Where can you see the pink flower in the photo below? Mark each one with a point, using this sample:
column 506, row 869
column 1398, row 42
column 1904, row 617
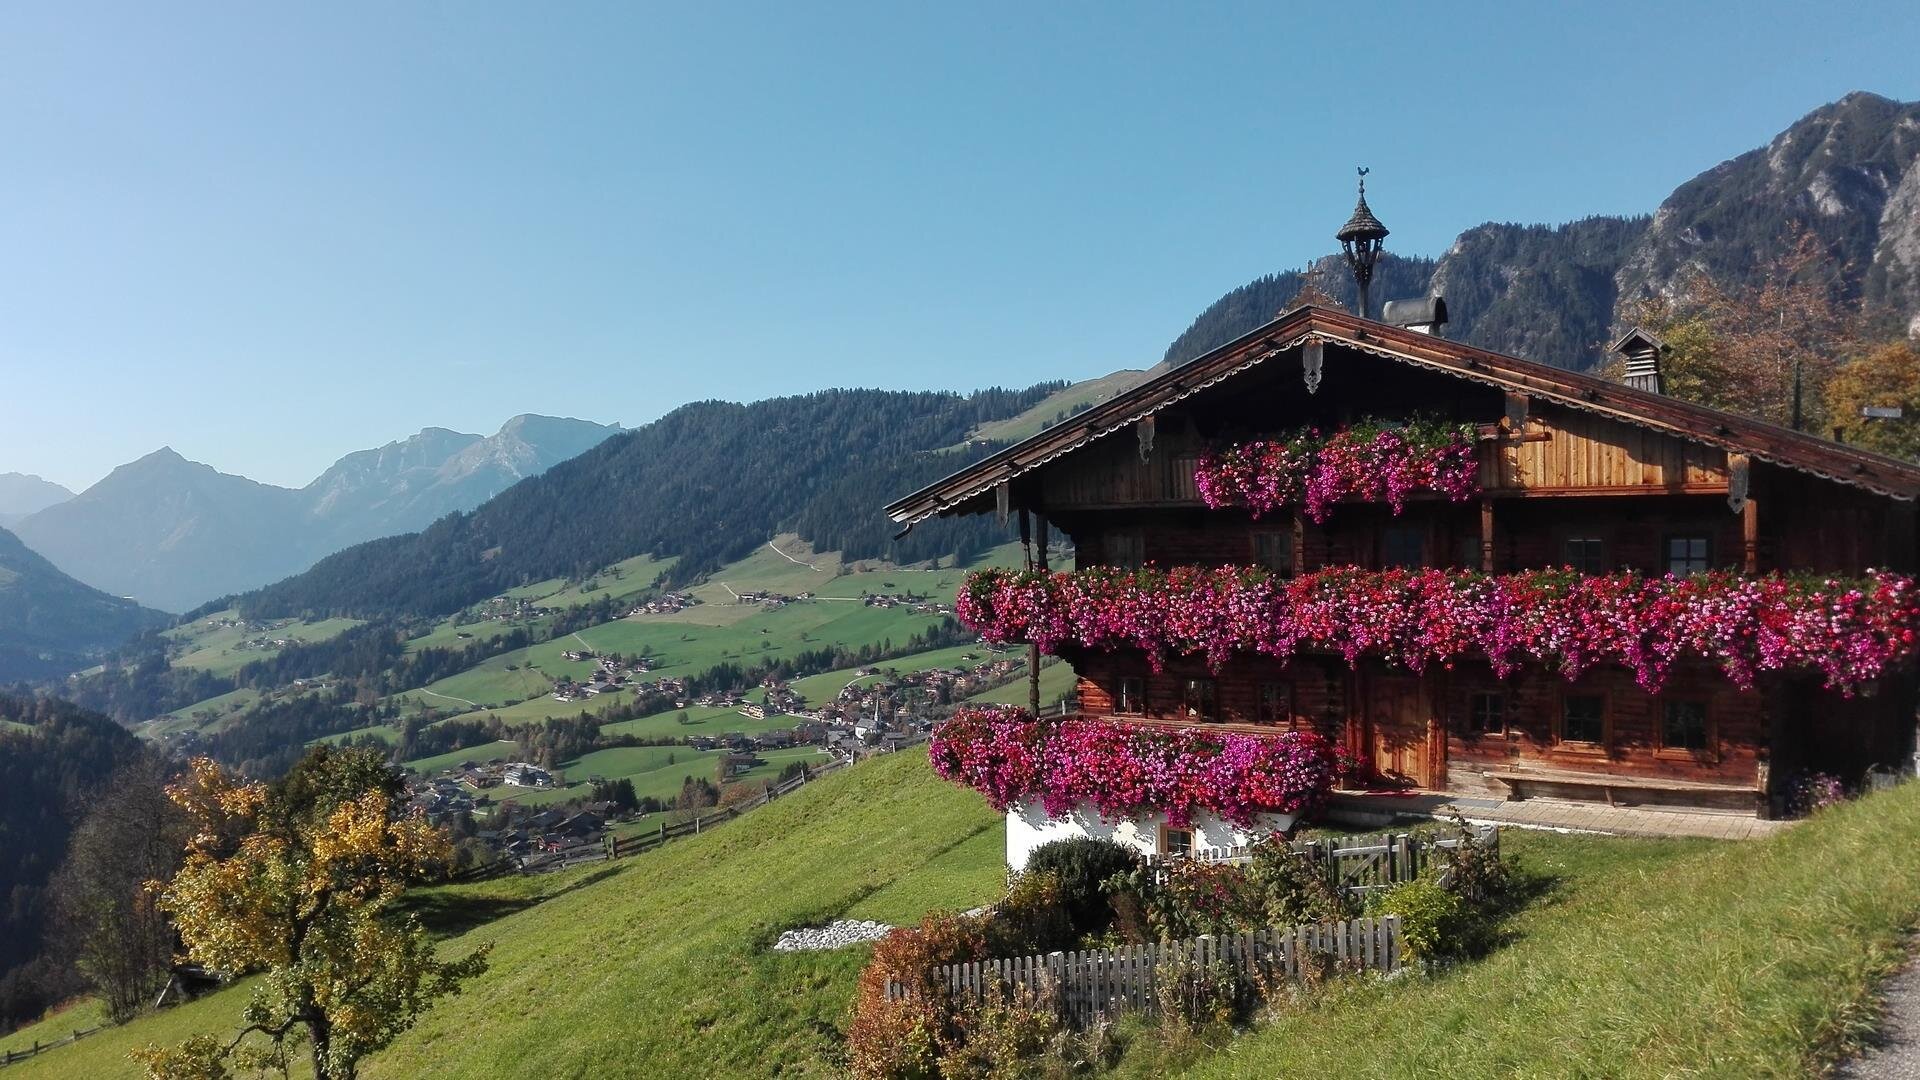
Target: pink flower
column 1849, row 631
column 1369, row 462
column 1124, row 770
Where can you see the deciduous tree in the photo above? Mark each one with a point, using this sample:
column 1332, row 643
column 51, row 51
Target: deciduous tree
column 107, row 923
column 1887, row 376
column 306, row 896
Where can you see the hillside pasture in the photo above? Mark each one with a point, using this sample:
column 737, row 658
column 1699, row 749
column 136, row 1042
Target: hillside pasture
column 217, row 649
column 1635, row 958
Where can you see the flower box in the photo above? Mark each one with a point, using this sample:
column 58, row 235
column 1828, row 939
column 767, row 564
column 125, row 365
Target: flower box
column 1369, row 462
column 1850, row 631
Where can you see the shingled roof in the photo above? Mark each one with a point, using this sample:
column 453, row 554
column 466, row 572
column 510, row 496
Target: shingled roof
column 963, row 491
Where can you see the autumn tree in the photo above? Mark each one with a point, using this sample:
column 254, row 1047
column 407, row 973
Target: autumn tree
column 299, row 882
column 1888, row 376
column 1767, row 349
column 108, row 924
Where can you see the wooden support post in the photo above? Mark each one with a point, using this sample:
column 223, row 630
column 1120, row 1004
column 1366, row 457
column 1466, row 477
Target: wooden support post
column 1033, row 651
column 1026, row 536
column 1750, row 536
column 1486, row 536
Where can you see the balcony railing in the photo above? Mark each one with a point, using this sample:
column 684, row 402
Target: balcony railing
column 1849, row 631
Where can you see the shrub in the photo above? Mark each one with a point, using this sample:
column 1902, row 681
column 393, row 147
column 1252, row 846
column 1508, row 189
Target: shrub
column 1198, row 996
column 1431, row 918
column 1009, row 1036
column 1082, row 865
column 905, row 1039
column 1186, row 898
column 1294, row 886
column 1032, row 919
column 1811, row 791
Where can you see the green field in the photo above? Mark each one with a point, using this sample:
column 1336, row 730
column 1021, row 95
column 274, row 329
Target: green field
column 658, row 771
column 1634, row 958
column 427, row 766
column 216, row 649
column 820, row 689
column 1056, row 682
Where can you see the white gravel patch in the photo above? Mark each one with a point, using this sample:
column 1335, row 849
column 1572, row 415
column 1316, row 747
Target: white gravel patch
column 834, row 935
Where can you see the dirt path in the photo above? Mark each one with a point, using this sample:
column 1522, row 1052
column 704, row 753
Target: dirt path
column 1895, row 1052
column 793, row 560
column 450, row 697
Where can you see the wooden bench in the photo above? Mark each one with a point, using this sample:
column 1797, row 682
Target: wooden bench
column 1520, row 782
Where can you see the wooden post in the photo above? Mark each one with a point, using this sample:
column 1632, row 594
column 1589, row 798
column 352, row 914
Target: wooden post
column 1033, row 651
column 1750, row 536
column 1486, row 536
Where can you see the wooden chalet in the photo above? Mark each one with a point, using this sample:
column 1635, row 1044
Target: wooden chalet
column 1574, row 471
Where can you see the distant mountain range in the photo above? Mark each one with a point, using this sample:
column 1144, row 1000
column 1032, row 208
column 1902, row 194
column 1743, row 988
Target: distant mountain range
column 709, row 480
column 1848, row 172
column 173, row 533
column 51, row 624
column 21, row 494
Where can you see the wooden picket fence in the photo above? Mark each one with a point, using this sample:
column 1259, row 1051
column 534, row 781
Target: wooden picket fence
column 1359, row 864
column 1085, row 985
column 10, row 1057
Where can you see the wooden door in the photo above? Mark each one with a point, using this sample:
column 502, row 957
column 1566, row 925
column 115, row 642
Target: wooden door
column 1399, row 728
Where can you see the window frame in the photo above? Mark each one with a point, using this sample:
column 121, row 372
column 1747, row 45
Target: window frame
column 1120, row 696
column 1473, row 726
column 1583, row 746
column 1284, row 691
column 1709, row 733
column 1282, row 543
column 1212, row 694
column 1164, row 846
column 1133, row 538
column 1599, row 556
column 1421, row 539
column 1706, row 558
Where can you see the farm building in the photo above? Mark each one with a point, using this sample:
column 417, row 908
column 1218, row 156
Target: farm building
column 1341, row 464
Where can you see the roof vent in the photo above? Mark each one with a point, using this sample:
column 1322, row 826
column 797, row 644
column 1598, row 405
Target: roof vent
column 1641, row 351
column 1423, row 316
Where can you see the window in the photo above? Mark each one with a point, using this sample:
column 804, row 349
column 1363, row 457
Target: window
column 1403, row 545
column 1126, row 549
column 1198, row 700
column 1175, row 841
column 1586, row 554
column 1130, row 696
column 1276, row 703
column 1487, row 714
column 1583, row 718
column 1467, row 553
column 1274, row 550
column 1687, row 555
column 1683, row 726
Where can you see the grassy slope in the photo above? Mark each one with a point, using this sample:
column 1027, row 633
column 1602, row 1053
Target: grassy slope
column 1751, row 959
column 1648, row 958
column 1034, row 420
column 659, row 967
column 1056, row 681
column 215, row 649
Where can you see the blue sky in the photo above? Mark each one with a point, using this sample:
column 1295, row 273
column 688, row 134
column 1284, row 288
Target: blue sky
column 268, row 236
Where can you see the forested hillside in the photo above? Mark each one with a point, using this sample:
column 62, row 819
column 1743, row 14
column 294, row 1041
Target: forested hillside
column 53, row 758
column 708, row 482
column 51, row 624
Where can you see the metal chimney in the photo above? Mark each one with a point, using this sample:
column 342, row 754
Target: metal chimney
column 1425, row 315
